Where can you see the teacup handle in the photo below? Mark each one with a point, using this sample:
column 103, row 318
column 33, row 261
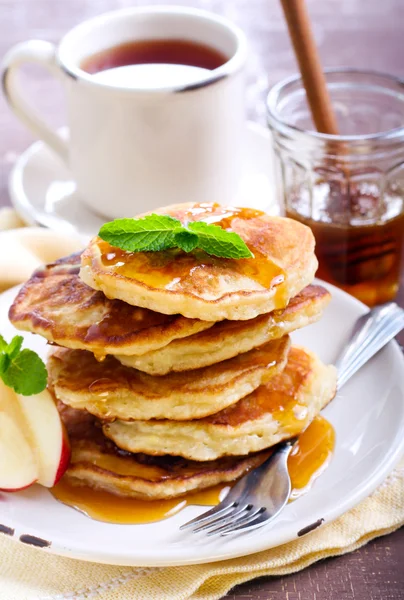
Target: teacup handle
column 42, row 53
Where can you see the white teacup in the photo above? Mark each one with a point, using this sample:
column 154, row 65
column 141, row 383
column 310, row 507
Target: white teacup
column 133, row 148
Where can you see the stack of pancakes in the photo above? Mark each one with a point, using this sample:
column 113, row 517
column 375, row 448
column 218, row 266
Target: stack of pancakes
column 175, row 372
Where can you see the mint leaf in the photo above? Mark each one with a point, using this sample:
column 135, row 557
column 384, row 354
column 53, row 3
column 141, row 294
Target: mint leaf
column 14, row 346
column 4, row 363
column 147, row 234
column 219, row 242
column 3, row 344
column 26, row 374
column 22, row 370
column 186, row 240
column 154, row 233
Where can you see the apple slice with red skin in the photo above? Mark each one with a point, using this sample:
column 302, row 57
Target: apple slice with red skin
column 47, row 436
column 18, row 465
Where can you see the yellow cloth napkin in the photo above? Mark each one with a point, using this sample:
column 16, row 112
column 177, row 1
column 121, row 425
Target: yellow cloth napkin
column 34, row 574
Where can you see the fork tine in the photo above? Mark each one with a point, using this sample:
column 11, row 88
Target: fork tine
column 232, row 500
column 221, row 509
column 258, row 521
column 222, row 520
column 242, row 520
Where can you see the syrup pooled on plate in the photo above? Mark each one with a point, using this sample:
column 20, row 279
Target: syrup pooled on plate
column 307, row 461
column 176, row 270
column 311, row 455
column 103, row 506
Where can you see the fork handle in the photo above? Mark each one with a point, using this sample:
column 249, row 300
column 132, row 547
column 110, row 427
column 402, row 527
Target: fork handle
column 371, row 333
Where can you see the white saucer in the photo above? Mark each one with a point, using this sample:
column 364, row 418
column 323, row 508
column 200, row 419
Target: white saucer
column 43, row 191
column 368, row 417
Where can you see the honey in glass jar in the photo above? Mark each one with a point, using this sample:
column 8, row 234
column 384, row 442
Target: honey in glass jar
column 348, row 188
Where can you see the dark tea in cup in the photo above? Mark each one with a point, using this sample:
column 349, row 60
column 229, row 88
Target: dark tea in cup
column 154, row 62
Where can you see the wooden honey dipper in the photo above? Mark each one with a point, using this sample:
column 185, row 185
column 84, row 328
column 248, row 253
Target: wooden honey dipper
column 314, row 82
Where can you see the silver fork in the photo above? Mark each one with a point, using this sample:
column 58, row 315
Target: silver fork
column 258, row 497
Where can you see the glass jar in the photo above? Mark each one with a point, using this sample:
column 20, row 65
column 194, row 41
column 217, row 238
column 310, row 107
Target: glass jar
column 348, row 188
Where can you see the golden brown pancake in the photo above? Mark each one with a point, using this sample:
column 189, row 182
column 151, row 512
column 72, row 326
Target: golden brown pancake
column 56, row 304
column 98, row 463
column 230, row 338
column 278, row 410
column 200, row 286
column 110, row 390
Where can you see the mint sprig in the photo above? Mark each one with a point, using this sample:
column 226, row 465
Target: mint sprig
column 215, row 240
column 154, row 233
column 22, row 370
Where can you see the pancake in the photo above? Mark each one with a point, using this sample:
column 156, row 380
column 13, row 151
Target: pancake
column 230, row 338
column 98, row 463
column 200, row 286
column 57, row 305
column 279, row 410
column 110, row 390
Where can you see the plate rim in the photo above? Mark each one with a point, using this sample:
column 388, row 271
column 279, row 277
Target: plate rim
column 330, row 514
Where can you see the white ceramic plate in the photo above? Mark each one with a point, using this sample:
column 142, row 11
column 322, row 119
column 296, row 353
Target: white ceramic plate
column 368, row 416
column 43, row 191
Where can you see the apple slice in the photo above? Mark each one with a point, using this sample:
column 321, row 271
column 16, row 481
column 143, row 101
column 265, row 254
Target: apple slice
column 47, row 436
column 18, row 467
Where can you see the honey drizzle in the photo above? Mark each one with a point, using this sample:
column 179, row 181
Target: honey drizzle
column 309, row 458
column 175, row 270
column 279, row 397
